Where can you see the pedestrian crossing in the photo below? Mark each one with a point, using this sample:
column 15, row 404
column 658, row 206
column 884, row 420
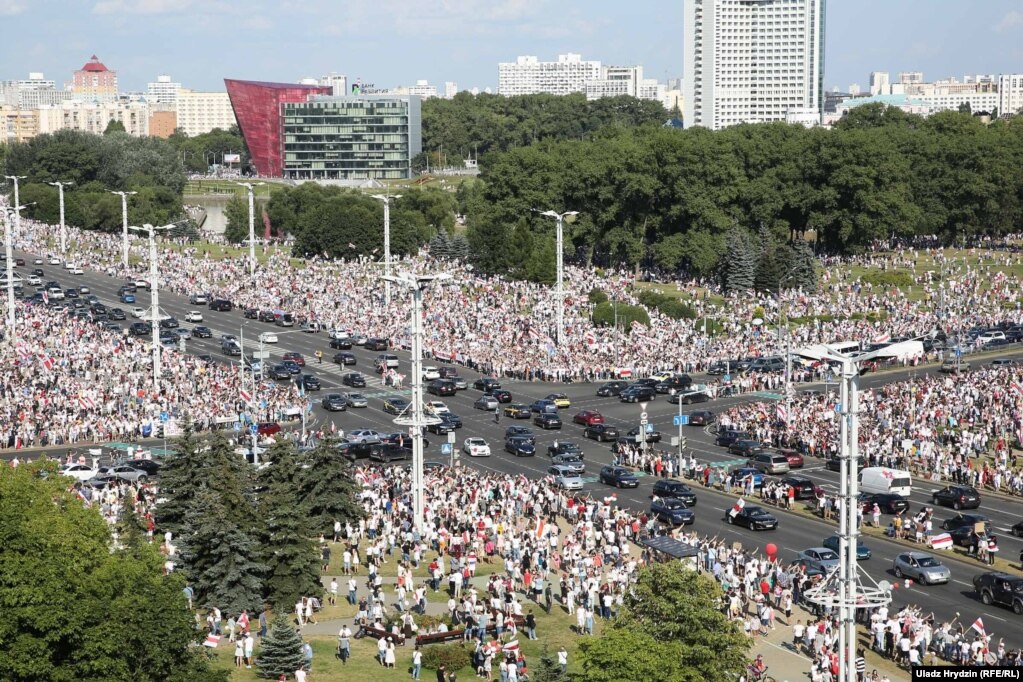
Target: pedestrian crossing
column 768, row 395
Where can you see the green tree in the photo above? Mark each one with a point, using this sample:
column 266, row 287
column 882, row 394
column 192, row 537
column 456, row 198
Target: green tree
column 114, row 127
column 739, row 265
column 608, row 314
column 280, row 652
column 622, row 655
column 547, row 668
column 326, row 489
column 180, row 481
column 237, row 214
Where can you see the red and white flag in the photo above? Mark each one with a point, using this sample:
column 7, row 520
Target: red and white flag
column 511, row 646
column 212, row 641
column 333, row 426
column 978, row 625
column 590, row 338
column 243, row 621
column 783, row 414
column 1016, row 386
column 882, row 338
column 737, row 507
column 540, row 527
column 941, row 541
column 246, row 396
column 86, row 402
column 47, row 361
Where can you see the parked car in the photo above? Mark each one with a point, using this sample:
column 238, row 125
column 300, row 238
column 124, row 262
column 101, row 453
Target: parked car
column 795, row 459
column 79, row 472
column 502, row 395
column 769, row 462
column 334, row 402
column 688, row 397
column 964, row 521
column 612, row 388
column 364, row 436
column 672, row 511
column 354, row 379
column 701, row 418
column 729, row 436
column 122, row 472
column 862, row 551
column 520, row 447
column 742, row 473
column 486, row 384
column 804, row 487
column 395, row 405
column 620, row 477
column 746, row 448
column 889, row 503
column 957, row 496
column 921, row 567
column 1000, row 588
column 441, row 387
column 752, row 517
column 954, row 366
column 588, row 418
column 638, row 394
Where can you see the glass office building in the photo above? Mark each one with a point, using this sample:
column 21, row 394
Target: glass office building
column 351, row 138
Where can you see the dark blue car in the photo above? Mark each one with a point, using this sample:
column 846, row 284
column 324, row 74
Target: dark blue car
column 672, row 511
column 620, row 477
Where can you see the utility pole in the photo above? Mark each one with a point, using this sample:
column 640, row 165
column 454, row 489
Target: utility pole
column 63, row 231
column 252, row 224
column 154, row 311
column 386, row 198
column 559, row 219
column 124, row 223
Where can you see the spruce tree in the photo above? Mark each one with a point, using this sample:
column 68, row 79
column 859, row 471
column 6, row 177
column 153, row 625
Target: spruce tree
column 739, row 266
column 326, row 488
column 280, row 652
column 547, row 668
column 440, row 247
column 460, row 247
column 180, row 480
column 226, row 473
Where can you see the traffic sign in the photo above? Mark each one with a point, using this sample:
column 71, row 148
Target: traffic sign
column 643, row 422
column 164, row 417
column 649, row 428
column 261, row 355
column 642, row 417
column 253, row 429
column 642, row 406
column 452, row 438
column 959, row 352
column 726, row 378
column 681, row 420
column 445, row 448
column 237, row 426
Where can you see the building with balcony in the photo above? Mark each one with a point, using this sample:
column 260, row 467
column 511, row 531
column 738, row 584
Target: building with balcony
column 529, row 76
column 94, row 82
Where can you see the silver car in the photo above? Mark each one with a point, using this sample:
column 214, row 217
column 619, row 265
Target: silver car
column 922, row 567
column 573, row 463
column 564, row 478
column 356, row 399
column 820, row 558
column 486, row 402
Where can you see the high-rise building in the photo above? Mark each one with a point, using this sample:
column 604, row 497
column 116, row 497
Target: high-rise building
column 338, row 83
column 529, row 76
column 880, row 83
column 748, row 61
column 450, row 89
column 162, row 122
column 1010, row 94
column 201, row 112
column 422, row 89
column 94, row 81
column 94, row 117
column 163, row 90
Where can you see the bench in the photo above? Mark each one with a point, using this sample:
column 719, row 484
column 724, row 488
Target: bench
column 439, row 637
column 380, row 633
column 520, row 621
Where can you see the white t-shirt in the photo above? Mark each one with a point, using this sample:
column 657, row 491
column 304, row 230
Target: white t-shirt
column 300, row 675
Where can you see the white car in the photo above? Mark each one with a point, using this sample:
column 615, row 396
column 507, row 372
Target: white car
column 34, row 280
column 54, row 260
column 430, row 373
column 364, row 436
column 193, row 316
column 81, row 472
column 197, row 299
column 267, row 337
column 77, row 271
column 84, row 289
column 435, row 407
column 37, row 261
column 68, row 265
column 564, row 478
column 56, row 293
column 138, row 312
column 476, row 447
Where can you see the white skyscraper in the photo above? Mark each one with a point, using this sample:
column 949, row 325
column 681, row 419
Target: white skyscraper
column 1010, row 94
column 163, row 90
column 338, row 83
column 530, row 76
column 749, row 61
column 880, row 83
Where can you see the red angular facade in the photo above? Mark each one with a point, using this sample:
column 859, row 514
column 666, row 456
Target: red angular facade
column 257, row 108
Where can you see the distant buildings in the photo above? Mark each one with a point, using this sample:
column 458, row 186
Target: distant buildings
column 529, row 76
column 163, row 91
column 94, row 81
column 751, row 62
column 201, row 112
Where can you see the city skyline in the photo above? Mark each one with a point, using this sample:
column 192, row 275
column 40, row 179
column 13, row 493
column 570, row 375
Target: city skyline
column 464, row 40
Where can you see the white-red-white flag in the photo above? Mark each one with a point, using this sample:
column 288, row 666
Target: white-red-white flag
column 212, row 641
column 978, row 625
column 737, row 507
column 246, row 396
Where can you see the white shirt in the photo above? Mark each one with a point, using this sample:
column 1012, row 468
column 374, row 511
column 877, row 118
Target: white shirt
column 300, row 675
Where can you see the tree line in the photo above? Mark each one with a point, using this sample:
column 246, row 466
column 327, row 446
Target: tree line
column 698, row 200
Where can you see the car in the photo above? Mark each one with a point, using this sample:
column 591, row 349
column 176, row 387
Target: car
column 612, row 388
column 266, row 316
column 292, row 366
column 354, row 379
column 747, row 448
column 620, row 477
column 669, row 488
column 637, row 394
column 520, row 447
column 451, row 418
column 769, row 462
column 956, row 496
column 804, row 488
column 125, row 297
column 573, row 463
column 673, row 383
column 169, row 323
column 795, row 459
column 921, row 567
column 19, row 261
column 833, row 463
column 284, row 320
column 278, row 372
column 560, row 400
column 80, row 472
column 702, row 418
column 821, row 558
column 364, row 436
column 292, row 356
column 385, row 361
column 53, row 260
column 389, row 452
column 354, row 451
column 743, row 473
column 862, row 551
column 476, row 447
column 71, row 293
column 752, row 517
column 888, row 503
column 34, row 280
column 202, row 332
column 229, row 347
column 486, row 384
column 440, row 427
column 503, row 396
column 460, row 383
column 964, row 521
column 601, row 432
column 543, row 405
column 117, row 314
column 122, row 472
column 267, row 337
column 356, row 400
column 565, row 478
column 729, row 436
column 343, row 343
column 588, row 418
column 441, row 387
column 954, row 366
column 564, row 447
column 547, row 420
column 140, row 329
column 138, row 312
column 395, row 405
column 268, row 428
column 221, row 306
column 344, row 359
column 672, row 511
column 430, row 373
column 309, row 382
column 486, row 402
column 520, row 432
column 435, row 407
column 1000, row 588
column 964, row 536
column 376, row 344
column 193, row 316
column 688, row 397
column 1017, row 529
column 198, row 299
column 334, row 402
column 517, row 411
column 648, row 436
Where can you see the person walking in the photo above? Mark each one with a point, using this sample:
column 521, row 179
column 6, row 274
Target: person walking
column 417, row 663
column 250, row 643
column 344, row 644
column 563, row 660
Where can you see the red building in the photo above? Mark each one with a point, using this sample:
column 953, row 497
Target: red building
column 94, row 79
column 257, row 107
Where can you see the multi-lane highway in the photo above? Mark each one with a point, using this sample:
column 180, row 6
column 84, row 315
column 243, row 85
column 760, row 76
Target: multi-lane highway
column 794, row 534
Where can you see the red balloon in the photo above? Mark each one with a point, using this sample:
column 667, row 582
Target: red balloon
column 771, row 549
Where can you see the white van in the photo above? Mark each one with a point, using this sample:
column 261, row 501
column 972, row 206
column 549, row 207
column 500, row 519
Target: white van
column 885, row 480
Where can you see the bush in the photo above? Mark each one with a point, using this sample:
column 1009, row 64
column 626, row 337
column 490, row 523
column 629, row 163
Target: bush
column 604, row 315
column 597, row 296
column 888, row 279
column 454, row 657
column 427, row 622
column 677, row 310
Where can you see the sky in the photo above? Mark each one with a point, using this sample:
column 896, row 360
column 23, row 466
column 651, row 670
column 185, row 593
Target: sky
column 396, row 42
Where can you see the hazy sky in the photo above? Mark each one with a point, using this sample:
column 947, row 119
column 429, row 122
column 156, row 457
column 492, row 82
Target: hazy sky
column 394, row 42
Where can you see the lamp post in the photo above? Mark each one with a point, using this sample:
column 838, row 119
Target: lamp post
column 63, row 232
column 386, row 198
column 17, row 200
column 9, row 246
column 154, row 283
column 252, row 224
column 560, row 220
column 417, row 421
column 124, row 222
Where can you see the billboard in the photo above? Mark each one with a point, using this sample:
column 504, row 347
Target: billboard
column 232, row 158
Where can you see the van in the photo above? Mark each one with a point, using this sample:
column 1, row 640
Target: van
column 768, row 364
column 387, row 360
column 885, row 480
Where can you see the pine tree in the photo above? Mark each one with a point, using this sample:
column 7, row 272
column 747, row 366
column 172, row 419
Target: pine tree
column 282, row 466
column 547, row 668
column 804, row 265
column 739, row 266
column 440, row 246
column 221, row 559
column 326, row 488
column 460, row 247
column 130, row 529
column 290, row 554
column 180, row 480
column 280, row 652
column 226, row 473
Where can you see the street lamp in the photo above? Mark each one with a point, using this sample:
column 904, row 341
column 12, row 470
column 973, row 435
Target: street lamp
column 63, row 232
column 386, row 198
column 124, row 222
column 417, row 420
column 560, row 220
column 9, row 246
column 252, row 224
column 154, row 311
column 17, row 199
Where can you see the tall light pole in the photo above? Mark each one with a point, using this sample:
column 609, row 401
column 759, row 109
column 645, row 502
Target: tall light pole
column 252, row 225
column 154, row 284
column 63, row 231
column 17, row 200
column 386, row 198
column 416, row 421
column 124, row 224
column 560, row 220
column 9, row 246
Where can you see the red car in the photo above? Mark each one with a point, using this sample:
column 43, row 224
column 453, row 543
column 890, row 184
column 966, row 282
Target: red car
column 295, row 357
column 795, row 459
column 268, row 428
column 588, row 418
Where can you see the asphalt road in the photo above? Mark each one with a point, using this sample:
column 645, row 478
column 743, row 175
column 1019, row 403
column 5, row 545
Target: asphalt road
column 794, row 534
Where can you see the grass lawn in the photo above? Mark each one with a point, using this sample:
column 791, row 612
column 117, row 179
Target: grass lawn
column 217, row 186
